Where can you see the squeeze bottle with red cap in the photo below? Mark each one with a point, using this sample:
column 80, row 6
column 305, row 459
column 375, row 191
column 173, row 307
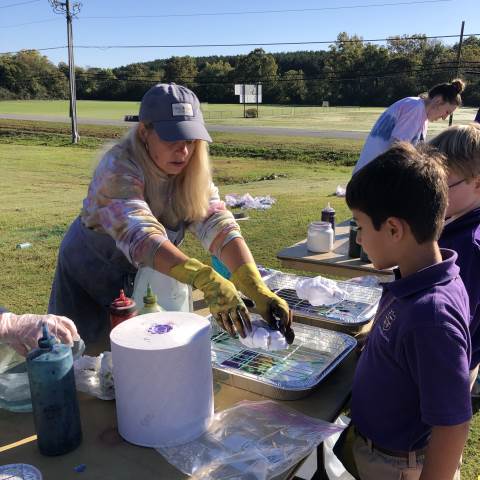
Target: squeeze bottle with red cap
column 121, row 309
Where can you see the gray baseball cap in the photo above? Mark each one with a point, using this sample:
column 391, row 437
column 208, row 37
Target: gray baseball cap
column 175, row 113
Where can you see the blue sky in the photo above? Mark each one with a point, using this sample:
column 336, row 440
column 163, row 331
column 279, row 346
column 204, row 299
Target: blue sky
column 373, row 21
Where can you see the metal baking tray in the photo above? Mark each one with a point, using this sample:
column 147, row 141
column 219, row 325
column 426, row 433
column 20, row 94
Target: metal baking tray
column 284, row 374
column 348, row 315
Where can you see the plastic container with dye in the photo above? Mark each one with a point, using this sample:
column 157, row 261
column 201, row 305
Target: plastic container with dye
column 121, row 309
column 353, row 247
column 150, row 304
column 328, row 215
column 54, row 398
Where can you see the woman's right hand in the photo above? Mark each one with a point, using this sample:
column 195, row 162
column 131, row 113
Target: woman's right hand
column 220, row 294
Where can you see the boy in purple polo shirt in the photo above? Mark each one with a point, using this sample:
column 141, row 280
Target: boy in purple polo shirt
column 461, row 146
column 411, row 394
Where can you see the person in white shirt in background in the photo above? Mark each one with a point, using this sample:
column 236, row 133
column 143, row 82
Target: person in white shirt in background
column 407, row 119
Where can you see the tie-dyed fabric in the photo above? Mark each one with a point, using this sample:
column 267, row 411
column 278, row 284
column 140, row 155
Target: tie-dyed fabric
column 118, row 205
column 405, row 120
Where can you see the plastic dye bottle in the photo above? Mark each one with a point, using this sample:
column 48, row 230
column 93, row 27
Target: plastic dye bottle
column 354, row 249
column 121, row 309
column 54, row 396
column 328, row 215
column 150, row 304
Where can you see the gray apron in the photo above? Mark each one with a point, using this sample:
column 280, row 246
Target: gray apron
column 90, row 273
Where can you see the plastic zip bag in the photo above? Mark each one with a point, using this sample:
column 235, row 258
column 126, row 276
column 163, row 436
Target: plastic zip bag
column 14, row 386
column 94, row 375
column 254, row 440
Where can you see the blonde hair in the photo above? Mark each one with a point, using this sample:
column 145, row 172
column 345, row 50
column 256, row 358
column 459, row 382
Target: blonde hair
column 191, row 188
column 461, row 146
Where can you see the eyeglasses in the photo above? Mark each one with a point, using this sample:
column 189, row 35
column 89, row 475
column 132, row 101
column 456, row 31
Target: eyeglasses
column 457, row 183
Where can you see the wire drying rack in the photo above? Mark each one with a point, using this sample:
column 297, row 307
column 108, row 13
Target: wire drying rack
column 283, row 374
column 358, row 307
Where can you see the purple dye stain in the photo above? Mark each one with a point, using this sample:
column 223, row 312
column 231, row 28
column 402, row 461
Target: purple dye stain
column 160, row 328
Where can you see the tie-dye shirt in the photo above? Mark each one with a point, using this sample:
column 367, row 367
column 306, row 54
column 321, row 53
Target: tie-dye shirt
column 405, row 120
column 117, row 204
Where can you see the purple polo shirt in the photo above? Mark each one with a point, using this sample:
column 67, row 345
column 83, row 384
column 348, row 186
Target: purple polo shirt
column 463, row 236
column 414, row 371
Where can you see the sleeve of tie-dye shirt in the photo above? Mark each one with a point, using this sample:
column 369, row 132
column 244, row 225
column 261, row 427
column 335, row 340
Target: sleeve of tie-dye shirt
column 116, row 201
column 411, row 118
column 218, row 228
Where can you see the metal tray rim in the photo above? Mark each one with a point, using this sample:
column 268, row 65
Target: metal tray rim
column 349, row 345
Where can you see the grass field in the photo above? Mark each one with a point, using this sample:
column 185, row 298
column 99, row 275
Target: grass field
column 313, row 118
column 44, row 180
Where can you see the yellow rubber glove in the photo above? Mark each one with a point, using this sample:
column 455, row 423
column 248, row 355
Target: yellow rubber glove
column 270, row 306
column 220, row 294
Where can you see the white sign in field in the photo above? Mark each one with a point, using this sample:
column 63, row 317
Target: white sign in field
column 249, row 93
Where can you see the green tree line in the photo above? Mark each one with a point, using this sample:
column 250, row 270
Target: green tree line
column 349, row 72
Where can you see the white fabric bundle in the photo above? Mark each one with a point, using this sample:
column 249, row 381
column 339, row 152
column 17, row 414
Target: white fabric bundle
column 319, row 291
column 262, row 336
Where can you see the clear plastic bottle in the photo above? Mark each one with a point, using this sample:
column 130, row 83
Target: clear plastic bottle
column 320, row 237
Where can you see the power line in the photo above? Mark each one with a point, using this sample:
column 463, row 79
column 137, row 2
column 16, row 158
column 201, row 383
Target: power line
column 255, row 12
column 272, row 43
column 260, row 44
column 30, row 23
column 327, row 76
column 17, row 4
column 121, row 75
column 298, row 10
column 33, row 49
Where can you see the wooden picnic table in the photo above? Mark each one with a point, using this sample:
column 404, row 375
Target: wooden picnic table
column 337, row 262
column 107, row 456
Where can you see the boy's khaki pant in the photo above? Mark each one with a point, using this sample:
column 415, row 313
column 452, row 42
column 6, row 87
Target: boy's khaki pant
column 374, row 465
column 473, row 376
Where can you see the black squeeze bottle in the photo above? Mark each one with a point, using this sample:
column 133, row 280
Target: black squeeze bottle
column 54, row 397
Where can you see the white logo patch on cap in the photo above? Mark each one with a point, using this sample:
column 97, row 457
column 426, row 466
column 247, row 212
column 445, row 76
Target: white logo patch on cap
column 182, row 110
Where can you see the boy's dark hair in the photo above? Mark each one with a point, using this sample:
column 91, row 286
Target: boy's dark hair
column 403, row 182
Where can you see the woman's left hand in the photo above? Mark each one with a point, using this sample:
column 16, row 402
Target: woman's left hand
column 270, row 306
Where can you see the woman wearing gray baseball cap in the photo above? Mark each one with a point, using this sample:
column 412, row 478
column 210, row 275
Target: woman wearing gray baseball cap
column 146, row 191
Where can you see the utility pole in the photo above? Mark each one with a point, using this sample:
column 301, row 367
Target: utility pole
column 450, row 120
column 70, row 9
